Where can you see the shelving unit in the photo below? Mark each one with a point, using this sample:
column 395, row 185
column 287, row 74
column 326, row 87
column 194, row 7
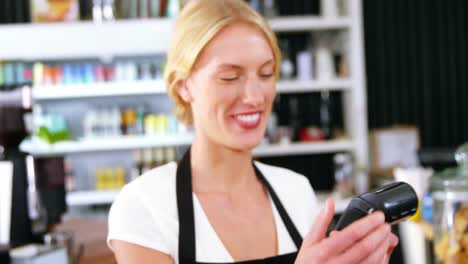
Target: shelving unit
column 119, row 38
column 61, row 92
column 308, row 23
column 138, row 142
column 85, row 198
column 294, row 86
column 108, row 40
column 155, row 87
column 304, row 148
column 104, row 144
column 85, row 39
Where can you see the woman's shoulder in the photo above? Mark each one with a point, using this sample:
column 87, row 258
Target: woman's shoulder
column 156, row 186
column 162, row 176
column 145, row 211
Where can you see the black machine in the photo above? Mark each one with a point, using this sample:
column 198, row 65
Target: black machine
column 48, row 174
column 397, row 201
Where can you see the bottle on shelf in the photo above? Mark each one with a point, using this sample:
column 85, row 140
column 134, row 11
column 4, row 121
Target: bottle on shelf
column 159, row 157
column 110, row 178
column 287, row 67
column 70, row 181
column 119, row 177
column 84, row 72
column 272, row 127
column 108, row 10
column 304, row 65
column 344, row 174
column 171, row 154
column 154, row 8
column 269, row 9
column 137, row 168
column 294, row 119
column 325, row 68
column 97, row 11
column 173, row 8
column 143, row 11
column 325, row 114
column 329, row 8
column 256, row 5
column 140, row 120
column 147, row 160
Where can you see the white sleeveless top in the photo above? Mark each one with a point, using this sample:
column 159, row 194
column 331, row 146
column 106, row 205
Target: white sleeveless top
column 145, row 213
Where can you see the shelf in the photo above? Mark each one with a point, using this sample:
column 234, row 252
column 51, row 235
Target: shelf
column 41, row 149
column 118, row 38
column 295, row 86
column 58, row 92
column 84, row 198
column 87, row 198
column 85, row 39
column 308, row 23
column 304, row 148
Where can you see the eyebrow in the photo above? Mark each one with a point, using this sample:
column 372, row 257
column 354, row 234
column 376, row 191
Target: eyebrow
column 235, row 66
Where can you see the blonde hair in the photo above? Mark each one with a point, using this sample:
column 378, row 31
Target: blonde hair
column 197, row 24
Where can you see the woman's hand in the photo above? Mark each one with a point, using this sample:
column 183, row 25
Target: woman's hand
column 368, row 240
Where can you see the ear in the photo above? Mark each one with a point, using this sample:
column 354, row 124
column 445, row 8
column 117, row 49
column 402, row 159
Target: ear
column 184, row 92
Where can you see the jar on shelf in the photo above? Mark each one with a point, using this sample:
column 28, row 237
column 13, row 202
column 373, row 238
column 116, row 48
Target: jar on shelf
column 344, row 174
column 450, row 195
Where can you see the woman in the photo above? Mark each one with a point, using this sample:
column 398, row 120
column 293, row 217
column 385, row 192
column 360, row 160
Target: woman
column 216, row 205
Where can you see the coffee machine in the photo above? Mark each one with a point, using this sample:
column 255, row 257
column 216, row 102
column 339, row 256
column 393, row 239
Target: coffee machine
column 34, row 195
column 12, row 131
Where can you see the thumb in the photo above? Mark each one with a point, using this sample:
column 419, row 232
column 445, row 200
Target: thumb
column 320, row 226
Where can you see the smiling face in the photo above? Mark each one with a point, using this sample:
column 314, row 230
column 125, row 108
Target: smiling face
column 232, row 88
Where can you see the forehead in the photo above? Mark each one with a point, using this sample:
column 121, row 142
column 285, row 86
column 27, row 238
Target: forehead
column 237, row 44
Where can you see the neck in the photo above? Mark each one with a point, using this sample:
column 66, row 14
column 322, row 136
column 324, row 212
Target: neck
column 218, row 169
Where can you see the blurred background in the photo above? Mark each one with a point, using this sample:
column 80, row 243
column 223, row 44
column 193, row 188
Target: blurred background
column 367, row 86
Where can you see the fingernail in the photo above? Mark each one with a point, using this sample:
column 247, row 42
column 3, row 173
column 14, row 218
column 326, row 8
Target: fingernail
column 380, row 216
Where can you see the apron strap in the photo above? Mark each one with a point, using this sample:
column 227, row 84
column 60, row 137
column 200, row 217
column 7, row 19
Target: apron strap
column 185, row 210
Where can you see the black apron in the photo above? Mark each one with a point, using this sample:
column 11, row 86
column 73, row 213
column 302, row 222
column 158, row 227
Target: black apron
column 187, row 225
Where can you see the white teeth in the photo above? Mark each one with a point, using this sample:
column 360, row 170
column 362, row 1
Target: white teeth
column 248, row 118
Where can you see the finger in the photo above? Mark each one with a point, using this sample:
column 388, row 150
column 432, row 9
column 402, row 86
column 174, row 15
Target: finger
column 392, row 244
column 393, row 240
column 319, row 229
column 333, row 233
column 368, row 245
column 386, row 259
column 378, row 255
column 347, row 237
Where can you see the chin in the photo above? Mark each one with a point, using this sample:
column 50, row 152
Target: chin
column 245, row 143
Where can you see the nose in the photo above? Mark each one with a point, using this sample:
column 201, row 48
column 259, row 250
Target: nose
column 253, row 93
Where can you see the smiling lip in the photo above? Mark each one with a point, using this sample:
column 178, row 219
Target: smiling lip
column 248, row 120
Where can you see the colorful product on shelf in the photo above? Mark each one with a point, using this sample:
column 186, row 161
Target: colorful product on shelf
column 110, row 178
column 54, row 11
column 112, row 121
column 49, row 127
column 147, row 159
column 93, row 72
column 14, row 74
column 310, row 134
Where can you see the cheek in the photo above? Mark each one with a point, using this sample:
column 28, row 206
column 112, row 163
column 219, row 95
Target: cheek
column 270, row 92
column 214, row 99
